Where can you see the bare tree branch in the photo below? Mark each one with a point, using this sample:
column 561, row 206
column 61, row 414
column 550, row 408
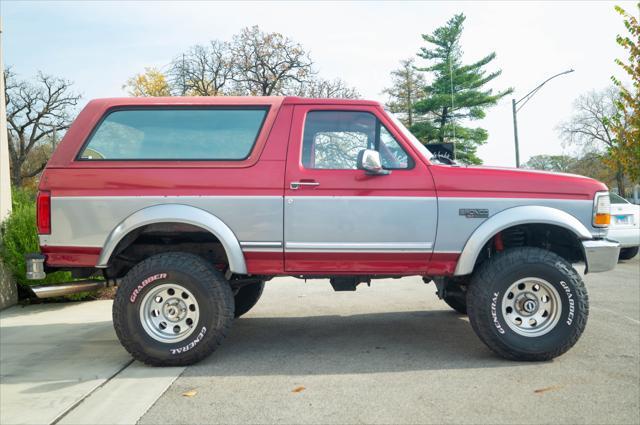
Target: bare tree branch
column 204, row 70
column 36, row 112
column 268, row 63
column 590, row 127
column 327, row 89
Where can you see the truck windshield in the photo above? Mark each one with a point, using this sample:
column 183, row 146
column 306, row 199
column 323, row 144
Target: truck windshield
column 424, row 151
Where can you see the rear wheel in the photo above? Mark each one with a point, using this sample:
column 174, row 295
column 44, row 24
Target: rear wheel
column 172, row 309
column 628, row 253
column 456, row 303
column 527, row 304
column 247, row 296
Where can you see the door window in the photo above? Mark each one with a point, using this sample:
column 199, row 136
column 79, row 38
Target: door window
column 333, row 139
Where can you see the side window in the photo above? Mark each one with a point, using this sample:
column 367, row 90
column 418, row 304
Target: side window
column 175, row 134
column 391, row 153
column 333, row 139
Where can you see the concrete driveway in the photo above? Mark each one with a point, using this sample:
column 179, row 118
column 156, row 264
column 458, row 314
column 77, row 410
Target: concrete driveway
column 391, row 353
column 62, row 363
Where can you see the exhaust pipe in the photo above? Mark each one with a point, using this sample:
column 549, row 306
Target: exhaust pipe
column 50, row 291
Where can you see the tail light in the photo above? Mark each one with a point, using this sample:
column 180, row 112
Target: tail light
column 601, row 210
column 43, row 207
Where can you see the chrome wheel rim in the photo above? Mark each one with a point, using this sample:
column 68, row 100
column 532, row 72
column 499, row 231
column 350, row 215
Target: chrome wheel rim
column 531, row 307
column 169, row 313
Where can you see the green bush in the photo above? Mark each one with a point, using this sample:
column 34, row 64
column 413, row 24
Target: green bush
column 20, row 236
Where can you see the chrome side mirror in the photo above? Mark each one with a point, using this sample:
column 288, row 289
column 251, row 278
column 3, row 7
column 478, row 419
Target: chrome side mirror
column 369, row 161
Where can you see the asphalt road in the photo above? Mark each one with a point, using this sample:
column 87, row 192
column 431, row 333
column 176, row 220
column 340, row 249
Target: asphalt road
column 394, row 353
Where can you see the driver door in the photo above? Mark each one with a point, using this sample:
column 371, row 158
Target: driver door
column 340, row 220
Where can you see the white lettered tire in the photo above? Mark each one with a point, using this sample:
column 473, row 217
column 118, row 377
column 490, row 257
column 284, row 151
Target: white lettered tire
column 172, row 309
column 527, row 304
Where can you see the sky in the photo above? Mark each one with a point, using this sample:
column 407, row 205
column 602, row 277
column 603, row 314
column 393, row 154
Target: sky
column 99, row 45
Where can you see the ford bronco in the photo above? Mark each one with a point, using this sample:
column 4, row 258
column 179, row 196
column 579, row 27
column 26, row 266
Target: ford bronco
column 190, row 205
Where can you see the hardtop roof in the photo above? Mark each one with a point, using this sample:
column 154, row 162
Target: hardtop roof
column 225, row 100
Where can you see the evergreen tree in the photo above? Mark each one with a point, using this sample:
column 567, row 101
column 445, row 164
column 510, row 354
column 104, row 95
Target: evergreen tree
column 456, row 93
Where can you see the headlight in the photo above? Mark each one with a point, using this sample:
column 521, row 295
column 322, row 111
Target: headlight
column 601, row 210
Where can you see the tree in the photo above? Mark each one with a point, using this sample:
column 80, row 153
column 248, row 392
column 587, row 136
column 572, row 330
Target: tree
column 267, row 64
column 202, row 70
column 590, row 128
column 407, row 88
column 37, row 115
column 327, row 89
column 625, row 123
column 555, row 163
column 456, row 92
column 592, row 164
column 254, row 63
column 150, row 83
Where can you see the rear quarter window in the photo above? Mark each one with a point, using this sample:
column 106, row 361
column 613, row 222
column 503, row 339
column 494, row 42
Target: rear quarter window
column 220, row 134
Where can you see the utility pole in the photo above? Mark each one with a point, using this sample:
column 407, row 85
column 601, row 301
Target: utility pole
column 524, row 100
column 515, row 132
column 5, row 176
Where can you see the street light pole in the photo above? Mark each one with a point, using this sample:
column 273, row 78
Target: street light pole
column 524, row 100
column 515, row 132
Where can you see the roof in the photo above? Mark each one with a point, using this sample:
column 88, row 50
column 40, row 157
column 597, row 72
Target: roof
column 225, row 100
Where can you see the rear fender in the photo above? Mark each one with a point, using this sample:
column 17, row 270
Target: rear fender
column 177, row 213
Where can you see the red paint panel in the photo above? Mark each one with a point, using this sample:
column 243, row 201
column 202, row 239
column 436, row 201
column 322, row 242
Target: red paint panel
column 263, row 179
column 71, row 256
column 443, row 263
column 357, row 263
column 488, row 182
column 268, row 263
column 172, row 178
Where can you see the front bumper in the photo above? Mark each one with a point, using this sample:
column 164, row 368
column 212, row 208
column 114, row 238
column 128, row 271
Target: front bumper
column 627, row 237
column 600, row 254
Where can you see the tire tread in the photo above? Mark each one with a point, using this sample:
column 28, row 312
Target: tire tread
column 197, row 267
column 478, row 295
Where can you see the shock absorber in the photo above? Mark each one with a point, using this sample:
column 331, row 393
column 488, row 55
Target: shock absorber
column 498, row 243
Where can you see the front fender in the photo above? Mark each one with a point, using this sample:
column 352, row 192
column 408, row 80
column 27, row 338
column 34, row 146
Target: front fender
column 526, row 214
column 177, row 213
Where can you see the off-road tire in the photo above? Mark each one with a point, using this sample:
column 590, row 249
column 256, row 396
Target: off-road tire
column 494, row 277
column 628, row 253
column 208, row 286
column 247, row 296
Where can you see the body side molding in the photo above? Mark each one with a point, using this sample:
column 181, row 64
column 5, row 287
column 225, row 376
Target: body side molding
column 177, row 213
column 526, row 214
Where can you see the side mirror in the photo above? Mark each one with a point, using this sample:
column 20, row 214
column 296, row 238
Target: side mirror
column 369, row 161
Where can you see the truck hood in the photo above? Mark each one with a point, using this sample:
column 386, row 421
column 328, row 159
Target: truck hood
column 508, row 182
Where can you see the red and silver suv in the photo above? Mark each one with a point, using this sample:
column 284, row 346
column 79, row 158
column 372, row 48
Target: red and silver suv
column 191, row 204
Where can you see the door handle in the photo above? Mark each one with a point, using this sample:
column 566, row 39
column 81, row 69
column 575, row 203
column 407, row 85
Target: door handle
column 296, row 185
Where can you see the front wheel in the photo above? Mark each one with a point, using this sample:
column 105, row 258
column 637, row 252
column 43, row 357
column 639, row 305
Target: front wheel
column 172, row 309
column 628, row 253
column 527, row 304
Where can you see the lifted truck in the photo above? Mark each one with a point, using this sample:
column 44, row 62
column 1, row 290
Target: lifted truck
column 191, row 204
